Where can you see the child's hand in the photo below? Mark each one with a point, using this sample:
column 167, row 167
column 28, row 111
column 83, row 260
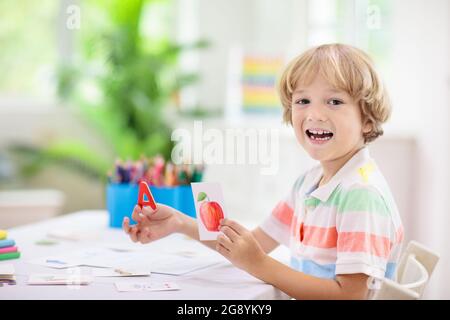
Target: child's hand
column 152, row 224
column 238, row 245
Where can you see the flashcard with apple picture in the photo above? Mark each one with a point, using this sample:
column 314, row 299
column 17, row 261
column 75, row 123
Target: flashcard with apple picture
column 210, row 209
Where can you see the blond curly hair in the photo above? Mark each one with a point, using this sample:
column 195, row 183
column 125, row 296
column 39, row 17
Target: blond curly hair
column 346, row 68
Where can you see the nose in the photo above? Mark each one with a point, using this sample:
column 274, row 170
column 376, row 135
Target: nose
column 316, row 112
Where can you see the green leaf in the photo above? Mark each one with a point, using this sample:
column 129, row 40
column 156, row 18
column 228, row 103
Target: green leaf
column 76, row 156
column 201, row 196
column 134, row 76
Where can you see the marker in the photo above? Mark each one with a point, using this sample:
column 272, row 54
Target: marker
column 127, row 172
column 7, row 243
column 170, row 178
column 158, row 169
column 197, row 175
column 8, row 249
column 10, row 255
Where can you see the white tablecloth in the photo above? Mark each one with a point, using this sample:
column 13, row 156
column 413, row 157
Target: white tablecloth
column 222, row 281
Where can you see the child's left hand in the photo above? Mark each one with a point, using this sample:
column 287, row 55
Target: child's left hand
column 238, row 245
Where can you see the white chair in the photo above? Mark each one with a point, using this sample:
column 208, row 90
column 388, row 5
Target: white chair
column 413, row 273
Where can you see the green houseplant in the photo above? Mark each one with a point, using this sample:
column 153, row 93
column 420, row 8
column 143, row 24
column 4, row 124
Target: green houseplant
column 132, row 77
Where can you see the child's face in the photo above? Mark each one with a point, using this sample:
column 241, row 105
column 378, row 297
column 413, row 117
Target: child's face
column 327, row 122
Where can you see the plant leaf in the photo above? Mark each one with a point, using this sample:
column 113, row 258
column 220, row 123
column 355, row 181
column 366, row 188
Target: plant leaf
column 201, row 196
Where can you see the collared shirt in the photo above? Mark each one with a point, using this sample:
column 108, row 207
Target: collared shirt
column 349, row 225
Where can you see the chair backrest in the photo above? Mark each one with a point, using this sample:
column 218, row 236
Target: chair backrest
column 415, row 268
column 424, row 255
column 414, row 275
column 391, row 290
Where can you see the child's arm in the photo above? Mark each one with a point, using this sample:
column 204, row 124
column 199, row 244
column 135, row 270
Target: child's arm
column 240, row 247
column 302, row 286
column 265, row 241
column 156, row 224
column 189, row 227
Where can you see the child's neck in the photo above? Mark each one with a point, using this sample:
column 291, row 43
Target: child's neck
column 331, row 167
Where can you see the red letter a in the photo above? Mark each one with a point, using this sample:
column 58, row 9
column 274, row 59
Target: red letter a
column 145, row 190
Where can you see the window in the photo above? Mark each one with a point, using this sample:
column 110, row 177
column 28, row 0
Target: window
column 362, row 23
column 29, row 49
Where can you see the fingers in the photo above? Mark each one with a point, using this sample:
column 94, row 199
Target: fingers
column 137, row 215
column 240, row 230
column 224, row 241
column 148, row 211
column 230, row 233
column 222, row 250
column 126, row 225
column 144, row 236
column 133, row 233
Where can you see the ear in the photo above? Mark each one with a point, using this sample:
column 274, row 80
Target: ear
column 367, row 127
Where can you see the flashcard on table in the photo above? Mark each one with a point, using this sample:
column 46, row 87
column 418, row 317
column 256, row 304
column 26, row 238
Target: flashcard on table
column 146, row 286
column 59, row 279
column 144, row 190
column 209, row 207
column 122, row 272
column 54, row 262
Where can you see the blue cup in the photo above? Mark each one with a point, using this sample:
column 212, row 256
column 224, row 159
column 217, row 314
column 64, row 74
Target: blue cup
column 121, row 199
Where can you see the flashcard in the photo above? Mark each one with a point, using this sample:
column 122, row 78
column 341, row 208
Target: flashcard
column 122, row 272
column 54, row 262
column 130, row 286
column 146, row 286
column 144, row 190
column 164, row 286
column 209, row 206
column 59, row 279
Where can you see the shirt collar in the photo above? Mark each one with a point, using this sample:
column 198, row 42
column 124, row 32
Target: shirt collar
column 323, row 193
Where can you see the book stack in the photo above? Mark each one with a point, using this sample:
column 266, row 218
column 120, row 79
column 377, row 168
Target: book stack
column 8, row 249
column 7, row 274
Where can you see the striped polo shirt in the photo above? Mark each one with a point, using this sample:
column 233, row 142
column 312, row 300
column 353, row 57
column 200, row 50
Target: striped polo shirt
column 349, row 225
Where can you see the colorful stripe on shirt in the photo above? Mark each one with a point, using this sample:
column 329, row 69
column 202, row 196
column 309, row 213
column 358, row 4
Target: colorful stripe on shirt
column 283, row 213
column 328, row 271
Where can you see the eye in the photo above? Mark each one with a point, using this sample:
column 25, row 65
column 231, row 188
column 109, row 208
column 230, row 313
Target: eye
column 302, row 101
column 335, row 102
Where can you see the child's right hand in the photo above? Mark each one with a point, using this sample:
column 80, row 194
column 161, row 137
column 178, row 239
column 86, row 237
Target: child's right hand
column 152, row 224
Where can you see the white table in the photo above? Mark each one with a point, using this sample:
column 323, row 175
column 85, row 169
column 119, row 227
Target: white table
column 219, row 282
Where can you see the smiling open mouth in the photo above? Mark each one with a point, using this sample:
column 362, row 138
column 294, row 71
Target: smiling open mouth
column 320, row 135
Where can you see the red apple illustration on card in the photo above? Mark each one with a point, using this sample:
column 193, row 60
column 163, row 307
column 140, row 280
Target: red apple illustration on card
column 209, row 206
column 210, row 212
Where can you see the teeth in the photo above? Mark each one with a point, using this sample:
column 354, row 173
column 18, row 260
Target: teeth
column 321, row 139
column 318, row 131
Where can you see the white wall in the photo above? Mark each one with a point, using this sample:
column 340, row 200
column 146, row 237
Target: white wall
column 420, row 86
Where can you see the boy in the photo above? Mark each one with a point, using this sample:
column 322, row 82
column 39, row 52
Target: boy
column 339, row 220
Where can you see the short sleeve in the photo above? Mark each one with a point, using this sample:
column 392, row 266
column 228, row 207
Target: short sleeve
column 278, row 224
column 365, row 232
